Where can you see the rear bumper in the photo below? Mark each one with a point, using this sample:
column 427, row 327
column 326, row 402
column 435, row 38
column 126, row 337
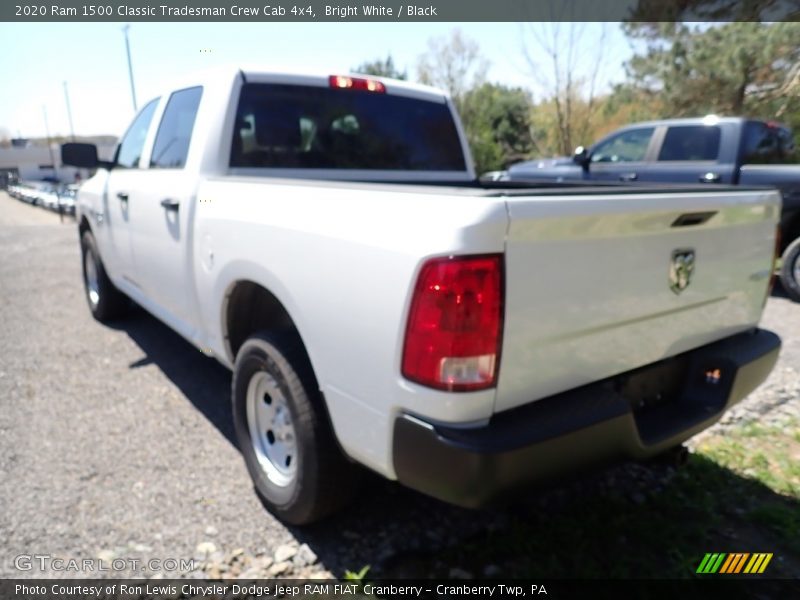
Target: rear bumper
column 632, row 416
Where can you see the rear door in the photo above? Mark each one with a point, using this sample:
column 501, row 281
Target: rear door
column 694, row 153
column 162, row 210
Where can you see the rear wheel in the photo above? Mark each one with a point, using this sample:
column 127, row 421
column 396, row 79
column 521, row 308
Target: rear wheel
column 105, row 301
column 283, row 431
column 790, row 270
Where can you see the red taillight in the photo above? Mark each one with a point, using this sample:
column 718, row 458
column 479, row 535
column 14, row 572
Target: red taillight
column 356, row 83
column 455, row 324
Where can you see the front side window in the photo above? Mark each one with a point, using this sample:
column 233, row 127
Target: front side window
column 308, row 127
column 175, row 130
column 628, row 146
column 690, row 143
column 130, row 148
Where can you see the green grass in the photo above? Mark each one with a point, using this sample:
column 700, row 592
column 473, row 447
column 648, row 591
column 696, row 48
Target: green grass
column 739, row 493
column 770, row 455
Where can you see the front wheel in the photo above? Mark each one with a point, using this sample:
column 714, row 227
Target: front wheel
column 105, row 301
column 790, row 270
column 283, row 431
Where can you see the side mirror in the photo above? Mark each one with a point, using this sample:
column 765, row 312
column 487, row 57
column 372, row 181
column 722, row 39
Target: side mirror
column 581, row 157
column 83, row 156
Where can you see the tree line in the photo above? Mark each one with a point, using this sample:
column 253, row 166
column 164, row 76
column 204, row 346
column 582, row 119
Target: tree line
column 677, row 69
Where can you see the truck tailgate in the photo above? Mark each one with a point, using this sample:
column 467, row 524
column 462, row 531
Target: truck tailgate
column 597, row 285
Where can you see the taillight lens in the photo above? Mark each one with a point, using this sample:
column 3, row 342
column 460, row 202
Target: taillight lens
column 455, row 324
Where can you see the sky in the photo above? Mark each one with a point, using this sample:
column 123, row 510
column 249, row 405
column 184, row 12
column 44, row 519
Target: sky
column 36, row 60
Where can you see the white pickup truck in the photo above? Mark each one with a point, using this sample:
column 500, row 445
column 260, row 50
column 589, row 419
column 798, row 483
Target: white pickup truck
column 325, row 237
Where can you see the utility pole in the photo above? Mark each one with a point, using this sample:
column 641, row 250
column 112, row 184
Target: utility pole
column 69, row 113
column 130, row 66
column 53, row 162
column 49, row 142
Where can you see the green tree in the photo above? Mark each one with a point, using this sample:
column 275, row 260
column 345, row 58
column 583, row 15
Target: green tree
column 658, row 11
column 381, row 68
column 732, row 68
column 497, row 124
column 454, row 64
column 558, row 61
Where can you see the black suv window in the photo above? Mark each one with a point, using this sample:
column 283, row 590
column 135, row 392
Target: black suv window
column 628, row 146
column 307, row 127
column 175, row 130
column 690, row 142
column 765, row 143
column 130, row 148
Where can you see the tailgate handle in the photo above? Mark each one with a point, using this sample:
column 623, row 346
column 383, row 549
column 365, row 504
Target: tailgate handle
column 695, row 218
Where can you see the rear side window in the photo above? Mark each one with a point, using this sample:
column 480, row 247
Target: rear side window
column 130, row 148
column 767, row 144
column 628, row 146
column 690, row 142
column 175, row 131
column 293, row 126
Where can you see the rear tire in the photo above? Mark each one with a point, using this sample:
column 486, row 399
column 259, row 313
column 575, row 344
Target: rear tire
column 284, row 434
column 105, row 301
column 790, row 270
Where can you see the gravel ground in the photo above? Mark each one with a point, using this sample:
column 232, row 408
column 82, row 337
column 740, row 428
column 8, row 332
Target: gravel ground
column 118, row 443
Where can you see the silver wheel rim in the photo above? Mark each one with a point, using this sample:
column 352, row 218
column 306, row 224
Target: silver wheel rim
column 92, row 286
column 271, row 430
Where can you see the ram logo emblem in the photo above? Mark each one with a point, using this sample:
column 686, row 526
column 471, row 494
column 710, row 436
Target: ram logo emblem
column 681, row 268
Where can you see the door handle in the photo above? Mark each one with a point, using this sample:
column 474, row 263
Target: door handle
column 709, row 177
column 170, row 204
column 628, row 177
column 123, row 196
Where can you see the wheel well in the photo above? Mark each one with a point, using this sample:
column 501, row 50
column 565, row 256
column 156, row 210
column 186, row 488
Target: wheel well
column 83, row 226
column 790, row 231
column 251, row 308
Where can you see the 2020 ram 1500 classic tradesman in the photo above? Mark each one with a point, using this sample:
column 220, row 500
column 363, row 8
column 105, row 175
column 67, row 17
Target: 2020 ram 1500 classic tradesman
column 325, row 237
column 705, row 150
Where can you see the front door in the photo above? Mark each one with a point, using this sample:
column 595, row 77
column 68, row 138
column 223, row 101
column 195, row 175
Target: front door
column 113, row 231
column 622, row 156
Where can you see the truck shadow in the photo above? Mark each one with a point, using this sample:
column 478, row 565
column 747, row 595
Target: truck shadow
column 630, row 521
column 650, row 520
column 201, row 379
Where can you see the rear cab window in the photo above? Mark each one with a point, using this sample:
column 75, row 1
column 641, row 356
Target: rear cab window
column 309, row 127
column 690, row 143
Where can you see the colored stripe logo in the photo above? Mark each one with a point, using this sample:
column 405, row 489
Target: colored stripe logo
column 734, row 563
